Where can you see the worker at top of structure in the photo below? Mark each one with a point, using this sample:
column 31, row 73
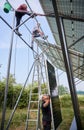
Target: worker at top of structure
column 19, row 13
column 37, row 33
column 46, row 112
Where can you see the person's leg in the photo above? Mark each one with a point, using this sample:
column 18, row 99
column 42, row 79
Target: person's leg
column 36, row 33
column 18, row 19
column 32, row 42
column 47, row 126
column 44, row 125
column 42, row 35
column 19, row 16
column 34, row 36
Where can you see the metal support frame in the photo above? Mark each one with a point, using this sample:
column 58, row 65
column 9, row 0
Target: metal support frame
column 71, row 17
column 37, row 76
column 39, row 90
column 8, row 73
column 15, row 32
column 68, row 65
column 14, row 109
column 6, row 88
column 76, row 41
column 23, row 22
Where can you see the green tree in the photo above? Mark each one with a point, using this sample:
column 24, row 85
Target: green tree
column 11, row 81
column 2, row 88
column 62, row 90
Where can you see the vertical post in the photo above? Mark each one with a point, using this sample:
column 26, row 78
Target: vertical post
column 39, row 87
column 0, row 72
column 8, row 73
column 68, row 66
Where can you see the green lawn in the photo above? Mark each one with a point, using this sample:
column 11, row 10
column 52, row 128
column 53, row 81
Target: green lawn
column 18, row 122
column 67, row 111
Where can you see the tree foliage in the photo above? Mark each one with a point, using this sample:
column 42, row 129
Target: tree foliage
column 11, row 80
column 13, row 93
column 14, row 90
column 62, row 90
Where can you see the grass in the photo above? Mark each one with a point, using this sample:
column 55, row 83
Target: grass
column 67, row 111
column 18, row 122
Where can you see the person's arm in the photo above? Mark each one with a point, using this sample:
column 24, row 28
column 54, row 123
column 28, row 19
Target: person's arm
column 46, row 103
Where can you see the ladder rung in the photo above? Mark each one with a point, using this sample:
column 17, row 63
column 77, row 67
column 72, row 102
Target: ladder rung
column 31, row 120
column 33, row 101
column 34, row 94
column 44, row 88
column 33, row 110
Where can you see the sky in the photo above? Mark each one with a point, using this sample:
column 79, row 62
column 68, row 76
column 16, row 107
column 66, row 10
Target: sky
column 22, row 56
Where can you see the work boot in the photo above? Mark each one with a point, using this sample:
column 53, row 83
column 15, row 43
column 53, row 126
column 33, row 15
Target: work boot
column 45, row 37
column 18, row 33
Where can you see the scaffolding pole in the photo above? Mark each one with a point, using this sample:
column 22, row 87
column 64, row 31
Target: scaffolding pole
column 7, row 79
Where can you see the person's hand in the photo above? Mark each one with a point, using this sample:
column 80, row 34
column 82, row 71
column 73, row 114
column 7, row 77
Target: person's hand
column 33, row 15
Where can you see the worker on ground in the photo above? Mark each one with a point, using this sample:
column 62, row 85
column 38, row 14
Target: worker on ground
column 46, row 112
column 37, row 33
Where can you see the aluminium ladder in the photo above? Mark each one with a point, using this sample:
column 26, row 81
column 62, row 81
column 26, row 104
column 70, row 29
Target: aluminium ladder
column 33, row 117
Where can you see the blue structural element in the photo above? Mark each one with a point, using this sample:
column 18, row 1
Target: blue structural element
column 73, row 125
column 7, row 7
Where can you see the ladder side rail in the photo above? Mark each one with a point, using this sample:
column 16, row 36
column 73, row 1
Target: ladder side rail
column 28, row 111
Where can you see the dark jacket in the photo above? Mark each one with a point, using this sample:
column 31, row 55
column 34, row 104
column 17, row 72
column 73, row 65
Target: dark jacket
column 46, row 112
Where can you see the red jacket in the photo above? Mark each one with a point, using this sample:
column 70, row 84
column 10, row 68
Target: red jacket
column 21, row 7
column 21, row 11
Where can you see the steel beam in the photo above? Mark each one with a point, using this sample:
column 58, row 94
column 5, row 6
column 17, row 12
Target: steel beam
column 76, row 41
column 68, row 66
column 69, row 17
